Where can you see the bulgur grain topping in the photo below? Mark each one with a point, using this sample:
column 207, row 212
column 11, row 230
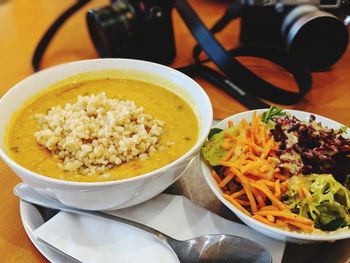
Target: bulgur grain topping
column 96, row 133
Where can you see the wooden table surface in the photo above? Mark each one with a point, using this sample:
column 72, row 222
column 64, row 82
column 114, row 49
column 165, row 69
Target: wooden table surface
column 23, row 22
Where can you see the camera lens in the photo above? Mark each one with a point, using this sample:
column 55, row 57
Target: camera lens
column 113, row 30
column 316, row 37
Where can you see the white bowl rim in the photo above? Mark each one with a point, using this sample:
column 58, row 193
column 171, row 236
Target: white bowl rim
column 200, row 139
column 301, row 236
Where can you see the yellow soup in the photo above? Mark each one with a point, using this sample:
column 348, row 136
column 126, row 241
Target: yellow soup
column 180, row 126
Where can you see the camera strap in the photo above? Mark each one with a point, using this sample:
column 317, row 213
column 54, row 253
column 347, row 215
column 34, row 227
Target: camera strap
column 241, row 77
column 219, row 80
column 49, row 34
column 237, row 80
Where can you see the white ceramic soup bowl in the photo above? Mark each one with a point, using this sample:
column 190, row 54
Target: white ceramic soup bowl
column 113, row 194
column 265, row 229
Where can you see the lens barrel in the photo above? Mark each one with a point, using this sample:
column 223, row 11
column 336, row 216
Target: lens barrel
column 317, row 38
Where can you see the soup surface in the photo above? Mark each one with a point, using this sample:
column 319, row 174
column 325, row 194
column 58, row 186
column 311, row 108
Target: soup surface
column 180, row 127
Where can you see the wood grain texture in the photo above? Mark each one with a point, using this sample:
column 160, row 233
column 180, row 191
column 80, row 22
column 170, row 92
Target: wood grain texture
column 23, row 22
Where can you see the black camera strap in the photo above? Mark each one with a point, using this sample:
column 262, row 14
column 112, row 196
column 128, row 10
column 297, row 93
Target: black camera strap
column 237, row 80
column 238, row 74
column 214, row 77
column 232, row 12
column 219, row 80
column 49, row 34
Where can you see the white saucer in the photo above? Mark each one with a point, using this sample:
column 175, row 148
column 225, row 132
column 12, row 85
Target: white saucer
column 31, row 220
column 173, row 215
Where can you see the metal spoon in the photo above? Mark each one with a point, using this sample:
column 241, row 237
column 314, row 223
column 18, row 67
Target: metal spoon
column 210, row 248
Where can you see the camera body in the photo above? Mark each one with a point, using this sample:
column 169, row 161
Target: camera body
column 309, row 30
column 140, row 29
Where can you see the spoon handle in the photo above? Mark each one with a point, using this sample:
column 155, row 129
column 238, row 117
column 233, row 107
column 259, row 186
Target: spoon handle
column 28, row 194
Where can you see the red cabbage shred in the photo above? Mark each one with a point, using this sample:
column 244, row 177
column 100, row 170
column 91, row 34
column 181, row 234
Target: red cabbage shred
column 322, row 149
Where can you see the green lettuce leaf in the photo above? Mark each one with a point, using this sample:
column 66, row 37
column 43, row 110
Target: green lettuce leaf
column 331, row 217
column 213, row 132
column 212, row 150
column 329, row 205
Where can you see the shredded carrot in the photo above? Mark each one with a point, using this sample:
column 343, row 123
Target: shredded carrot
column 301, row 193
column 237, row 194
column 264, row 220
column 233, row 201
column 268, row 183
column 280, row 176
column 254, row 119
column 250, row 177
column 284, row 186
column 258, row 197
column 229, row 136
column 264, row 168
column 263, row 135
column 253, row 157
column 251, row 165
column 306, row 192
column 254, row 148
column 269, row 145
column 242, row 202
column 228, row 172
column 225, row 181
column 250, row 197
column 263, row 188
column 244, row 161
column 269, row 208
column 302, row 226
column 226, row 144
column 277, row 189
column 287, row 215
column 259, row 175
column 230, row 124
column 281, row 223
column 227, row 164
column 228, row 154
column 216, row 176
column 243, row 179
column 243, row 125
column 270, row 218
column 251, row 135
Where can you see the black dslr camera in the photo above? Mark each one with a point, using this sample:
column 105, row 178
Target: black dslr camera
column 316, row 37
column 139, row 29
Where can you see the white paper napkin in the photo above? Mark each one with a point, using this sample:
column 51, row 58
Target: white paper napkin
column 90, row 239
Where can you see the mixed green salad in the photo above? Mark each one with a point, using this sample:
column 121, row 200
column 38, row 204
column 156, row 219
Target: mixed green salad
column 284, row 172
